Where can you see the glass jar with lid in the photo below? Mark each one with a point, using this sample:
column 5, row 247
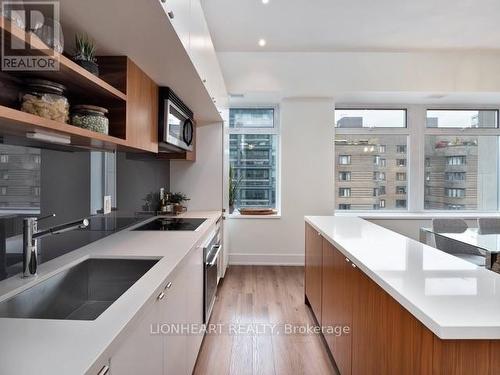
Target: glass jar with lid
column 45, row 99
column 90, row 117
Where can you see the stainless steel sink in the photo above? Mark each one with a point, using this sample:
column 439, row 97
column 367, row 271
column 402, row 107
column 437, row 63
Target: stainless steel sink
column 83, row 292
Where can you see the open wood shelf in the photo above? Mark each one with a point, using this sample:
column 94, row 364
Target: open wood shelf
column 18, row 123
column 78, row 81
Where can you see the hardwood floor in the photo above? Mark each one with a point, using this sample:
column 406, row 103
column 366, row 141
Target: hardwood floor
column 263, row 298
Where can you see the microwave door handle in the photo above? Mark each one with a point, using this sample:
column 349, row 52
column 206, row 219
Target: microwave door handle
column 214, row 259
column 187, row 132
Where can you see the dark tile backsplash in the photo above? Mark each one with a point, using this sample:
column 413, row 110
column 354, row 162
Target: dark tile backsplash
column 38, row 182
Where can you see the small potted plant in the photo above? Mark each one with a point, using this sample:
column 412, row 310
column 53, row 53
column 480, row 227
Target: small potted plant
column 85, row 53
column 177, row 199
column 233, row 188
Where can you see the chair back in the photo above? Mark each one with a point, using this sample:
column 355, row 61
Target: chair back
column 448, row 245
column 489, row 225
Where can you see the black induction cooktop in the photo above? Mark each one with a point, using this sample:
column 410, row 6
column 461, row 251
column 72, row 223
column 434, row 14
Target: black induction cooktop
column 172, row 224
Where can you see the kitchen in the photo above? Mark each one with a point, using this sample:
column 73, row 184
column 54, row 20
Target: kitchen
column 185, row 188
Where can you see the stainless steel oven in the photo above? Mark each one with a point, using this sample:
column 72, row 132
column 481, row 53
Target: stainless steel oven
column 176, row 129
column 211, row 254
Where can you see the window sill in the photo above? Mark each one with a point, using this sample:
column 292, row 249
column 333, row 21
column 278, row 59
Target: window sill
column 417, row 215
column 253, row 217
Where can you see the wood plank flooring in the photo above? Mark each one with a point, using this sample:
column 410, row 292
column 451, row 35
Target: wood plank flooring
column 258, row 297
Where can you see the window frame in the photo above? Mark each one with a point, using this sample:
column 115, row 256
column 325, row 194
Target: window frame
column 372, row 108
column 416, row 131
column 276, row 131
column 465, row 108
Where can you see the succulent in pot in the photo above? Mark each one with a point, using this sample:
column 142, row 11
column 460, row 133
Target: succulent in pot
column 85, row 50
column 177, row 199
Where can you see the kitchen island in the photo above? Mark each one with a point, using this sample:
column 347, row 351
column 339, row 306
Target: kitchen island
column 409, row 308
column 120, row 340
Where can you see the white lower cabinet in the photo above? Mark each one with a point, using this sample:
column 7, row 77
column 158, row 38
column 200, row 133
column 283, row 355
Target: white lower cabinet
column 180, row 308
column 141, row 352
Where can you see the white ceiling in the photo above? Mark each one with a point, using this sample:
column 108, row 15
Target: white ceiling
column 353, row 25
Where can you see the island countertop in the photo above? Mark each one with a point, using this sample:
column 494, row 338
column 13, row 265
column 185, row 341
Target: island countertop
column 453, row 298
column 44, row 346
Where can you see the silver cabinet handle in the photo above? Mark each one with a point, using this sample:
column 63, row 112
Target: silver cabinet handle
column 347, row 260
column 161, row 295
column 169, row 285
column 104, row 370
column 171, row 15
column 353, row 265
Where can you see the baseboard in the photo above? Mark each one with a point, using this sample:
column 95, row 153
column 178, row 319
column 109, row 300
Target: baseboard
column 266, row 259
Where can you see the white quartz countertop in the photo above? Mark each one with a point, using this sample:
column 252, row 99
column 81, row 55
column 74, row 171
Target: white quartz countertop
column 42, row 346
column 453, row 298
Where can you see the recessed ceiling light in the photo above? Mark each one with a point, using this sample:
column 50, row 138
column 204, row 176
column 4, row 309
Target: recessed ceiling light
column 262, row 42
column 265, row 1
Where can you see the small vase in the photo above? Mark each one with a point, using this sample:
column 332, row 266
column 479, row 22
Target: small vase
column 90, row 66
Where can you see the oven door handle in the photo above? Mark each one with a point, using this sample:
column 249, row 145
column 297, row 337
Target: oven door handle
column 214, row 259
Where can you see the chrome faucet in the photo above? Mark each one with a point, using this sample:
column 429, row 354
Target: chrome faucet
column 31, row 234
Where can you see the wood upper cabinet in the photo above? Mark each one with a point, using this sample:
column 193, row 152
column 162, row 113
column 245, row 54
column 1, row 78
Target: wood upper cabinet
column 141, row 115
column 313, row 269
column 142, row 109
column 337, row 304
column 386, row 338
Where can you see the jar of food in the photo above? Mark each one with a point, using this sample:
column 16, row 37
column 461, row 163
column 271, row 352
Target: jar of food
column 45, row 99
column 90, row 117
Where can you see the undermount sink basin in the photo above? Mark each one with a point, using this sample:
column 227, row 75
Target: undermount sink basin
column 82, row 292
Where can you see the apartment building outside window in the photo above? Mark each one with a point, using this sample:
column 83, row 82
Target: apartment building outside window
column 455, row 151
column 253, row 157
column 367, row 137
column 462, row 147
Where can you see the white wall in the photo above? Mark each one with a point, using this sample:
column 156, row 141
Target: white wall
column 306, row 187
column 201, row 181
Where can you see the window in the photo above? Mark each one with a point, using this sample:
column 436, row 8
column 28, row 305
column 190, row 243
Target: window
column 454, row 176
column 401, row 149
column 251, row 118
column 400, row 203
column 344, row 176
column 368, row 183
column 464, row 170
column 400, row 190
column 344, row 192
column 344, row 206
column 454, row 152
column 462, row 118
column 379, row 191
column 401, row 162
column 253, row 157
column 454, row 193
column 455, row 160
column 344, row 159
column 370, row 118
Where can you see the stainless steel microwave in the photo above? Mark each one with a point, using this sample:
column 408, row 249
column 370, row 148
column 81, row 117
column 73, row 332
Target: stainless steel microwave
column 176, row 129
